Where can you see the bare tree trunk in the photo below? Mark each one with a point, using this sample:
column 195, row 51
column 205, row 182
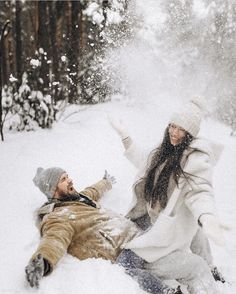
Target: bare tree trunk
column 105, row 5
column 74, row 51
column 3, row 35
column 29, row 24
column 5, row 64
column 8, row 52
column 43, row 40
column 18, row 42
column 53, row 39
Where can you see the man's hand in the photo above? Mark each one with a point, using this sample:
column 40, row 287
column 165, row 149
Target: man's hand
column 109, row 178
column 35, row 270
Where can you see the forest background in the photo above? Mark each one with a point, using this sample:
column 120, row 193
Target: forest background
column 57, row 53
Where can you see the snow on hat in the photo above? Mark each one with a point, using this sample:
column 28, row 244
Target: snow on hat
column 47, row 180
column 190, row 116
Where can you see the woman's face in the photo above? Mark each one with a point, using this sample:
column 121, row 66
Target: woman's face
column 176, row 134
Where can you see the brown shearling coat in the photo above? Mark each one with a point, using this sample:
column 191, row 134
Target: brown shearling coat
column 82, row 230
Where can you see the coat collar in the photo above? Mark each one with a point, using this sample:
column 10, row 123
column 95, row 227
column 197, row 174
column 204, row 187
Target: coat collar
column 212, row 148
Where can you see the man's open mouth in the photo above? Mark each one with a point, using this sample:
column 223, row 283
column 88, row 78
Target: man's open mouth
column 70, row 188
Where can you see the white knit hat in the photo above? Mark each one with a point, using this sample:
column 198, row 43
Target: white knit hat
column 47, row 180
column 190, row 116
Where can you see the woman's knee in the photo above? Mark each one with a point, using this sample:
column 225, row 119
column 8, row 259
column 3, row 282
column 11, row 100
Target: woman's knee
column 178, row 265
column 199, row 266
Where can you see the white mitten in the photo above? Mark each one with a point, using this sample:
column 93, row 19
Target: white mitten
column 118, row 127
column 212, row 229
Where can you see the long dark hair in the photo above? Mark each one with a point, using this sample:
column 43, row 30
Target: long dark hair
column 156, row 189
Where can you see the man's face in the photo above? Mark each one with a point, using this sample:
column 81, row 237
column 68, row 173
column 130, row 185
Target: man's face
column 64, row 187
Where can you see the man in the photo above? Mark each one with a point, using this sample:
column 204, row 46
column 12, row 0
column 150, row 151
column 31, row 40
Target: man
column 73, row 222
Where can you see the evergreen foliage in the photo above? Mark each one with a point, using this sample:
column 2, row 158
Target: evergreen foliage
column 203, row 41
column 59, row 55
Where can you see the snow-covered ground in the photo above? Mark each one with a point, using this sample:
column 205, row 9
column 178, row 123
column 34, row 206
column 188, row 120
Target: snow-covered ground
column 85, row 145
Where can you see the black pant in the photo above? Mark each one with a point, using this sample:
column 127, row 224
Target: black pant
column 135, row 267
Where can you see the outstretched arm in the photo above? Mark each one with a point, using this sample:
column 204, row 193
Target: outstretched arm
column 133, row 153
column 56, row 237
column 96, row 191
column 122, row 132
column 200, row 197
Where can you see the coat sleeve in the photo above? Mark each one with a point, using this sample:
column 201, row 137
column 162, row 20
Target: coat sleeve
column 137, row 156
column 96, row 191
column 199, row 195
column 56, row 237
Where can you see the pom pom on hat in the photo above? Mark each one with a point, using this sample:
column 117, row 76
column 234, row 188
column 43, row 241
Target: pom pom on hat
column 190, row 116
column 47, row 180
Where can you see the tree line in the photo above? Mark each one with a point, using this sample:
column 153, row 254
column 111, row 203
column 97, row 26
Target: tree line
column 53, row 52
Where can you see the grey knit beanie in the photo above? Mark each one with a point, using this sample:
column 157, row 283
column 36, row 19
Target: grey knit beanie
column 190, row 116
column 47, row 180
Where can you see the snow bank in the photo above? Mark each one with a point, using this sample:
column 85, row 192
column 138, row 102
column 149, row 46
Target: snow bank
column 85, row 145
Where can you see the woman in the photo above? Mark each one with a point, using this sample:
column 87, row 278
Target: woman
column 173, row 198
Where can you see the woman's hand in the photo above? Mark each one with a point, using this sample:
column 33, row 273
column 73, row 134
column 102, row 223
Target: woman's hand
column 212, row 229
column 118, row 127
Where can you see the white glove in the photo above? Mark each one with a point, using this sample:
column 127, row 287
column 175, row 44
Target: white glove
column 212, row 229
column 118, row 127
column 109, row 178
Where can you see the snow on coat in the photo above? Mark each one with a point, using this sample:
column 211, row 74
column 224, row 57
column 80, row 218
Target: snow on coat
column 178, row 222
column 82, row 230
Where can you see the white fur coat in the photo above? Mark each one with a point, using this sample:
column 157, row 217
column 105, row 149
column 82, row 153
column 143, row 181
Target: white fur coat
column 178, row 222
